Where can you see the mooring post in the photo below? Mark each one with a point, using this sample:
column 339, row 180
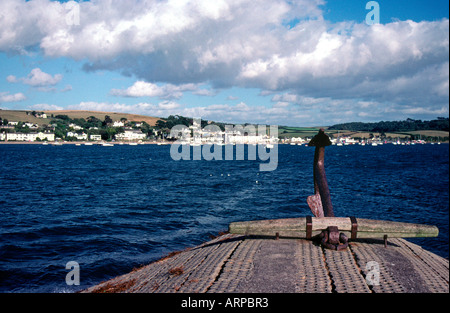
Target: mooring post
column 322, row 192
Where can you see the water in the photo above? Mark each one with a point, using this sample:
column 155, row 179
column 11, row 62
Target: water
column 112, row 209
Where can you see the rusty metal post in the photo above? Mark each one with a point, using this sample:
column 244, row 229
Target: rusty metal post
column 320, row 141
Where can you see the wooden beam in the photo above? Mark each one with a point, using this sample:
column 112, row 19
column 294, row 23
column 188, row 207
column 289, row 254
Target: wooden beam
column 367, row 228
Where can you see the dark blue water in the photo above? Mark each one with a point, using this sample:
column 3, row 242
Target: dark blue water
column 114, row 208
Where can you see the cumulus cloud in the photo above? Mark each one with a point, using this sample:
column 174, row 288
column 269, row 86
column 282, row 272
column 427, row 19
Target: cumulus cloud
column 283, row 47
column 162, row 109
column 45, row 107
column 168, row 105
column 6, row 97
column 139, row 108
column 144, row 89
column 36, row 78
column 166, row 91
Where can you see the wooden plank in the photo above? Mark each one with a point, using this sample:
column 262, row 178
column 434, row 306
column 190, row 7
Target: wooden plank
column 367, row 228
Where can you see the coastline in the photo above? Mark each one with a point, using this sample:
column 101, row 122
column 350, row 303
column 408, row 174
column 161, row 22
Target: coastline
column 71, row 143
column 113, row 143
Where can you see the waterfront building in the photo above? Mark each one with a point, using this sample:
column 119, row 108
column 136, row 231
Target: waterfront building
column 30, row 136
column 131, row 134
column 95, row 137
column 81, row 136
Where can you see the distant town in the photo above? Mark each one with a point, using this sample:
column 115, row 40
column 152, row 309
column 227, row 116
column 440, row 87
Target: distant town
column 63, row 128
column 109, row 128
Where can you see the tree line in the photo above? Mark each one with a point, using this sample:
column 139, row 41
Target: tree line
column 441, row 123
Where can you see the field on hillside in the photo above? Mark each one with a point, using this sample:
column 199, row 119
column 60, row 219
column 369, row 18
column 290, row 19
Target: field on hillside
column 15, row 116
column 289, row 132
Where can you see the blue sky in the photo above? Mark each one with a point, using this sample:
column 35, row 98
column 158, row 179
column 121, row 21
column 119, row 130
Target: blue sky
column 416, row 10
column 297, row 63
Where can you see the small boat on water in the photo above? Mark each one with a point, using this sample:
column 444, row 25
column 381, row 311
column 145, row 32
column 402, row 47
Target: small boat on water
column 106, row 144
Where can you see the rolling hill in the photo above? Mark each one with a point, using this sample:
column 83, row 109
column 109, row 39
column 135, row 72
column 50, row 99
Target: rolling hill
column 16, row 116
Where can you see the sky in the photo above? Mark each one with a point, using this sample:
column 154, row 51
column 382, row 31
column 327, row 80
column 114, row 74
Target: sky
column 295, row 63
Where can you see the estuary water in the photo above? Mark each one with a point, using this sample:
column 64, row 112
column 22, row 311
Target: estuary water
column 111, row 209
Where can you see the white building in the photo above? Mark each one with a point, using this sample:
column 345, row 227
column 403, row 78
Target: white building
column 31, row 125
column 2, row 136
column 74, row 126
column 131, row 134
column 250, row 139
column 95, row 137
column 81, row 136
column 297, row 139
column 118, row 124
column 30, row 136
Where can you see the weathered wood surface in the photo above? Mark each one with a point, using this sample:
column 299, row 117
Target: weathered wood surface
column 296, row 228
column 234, row 263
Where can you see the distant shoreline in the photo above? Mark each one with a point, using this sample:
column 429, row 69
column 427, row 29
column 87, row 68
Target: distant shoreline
column 68, row 143
column 114, row 143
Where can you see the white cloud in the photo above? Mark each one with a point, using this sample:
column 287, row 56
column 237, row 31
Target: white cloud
column 182, row 44
column 205, row 92
column 139, row 89
column 12, row 79
column 144, row 89
column 67, row 88
column 168, row 105
column 139, row 108
column 281, row 104
column 166, row 91
column 6, row 97
column 162, row 109
column 37, row 78
column 45, row 107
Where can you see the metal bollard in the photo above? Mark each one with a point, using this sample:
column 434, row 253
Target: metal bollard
column 321, row 190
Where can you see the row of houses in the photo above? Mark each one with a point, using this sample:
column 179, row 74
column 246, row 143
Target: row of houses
column 30, row 125
column 212, row 134
column 33, row 136
column 128, row 135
